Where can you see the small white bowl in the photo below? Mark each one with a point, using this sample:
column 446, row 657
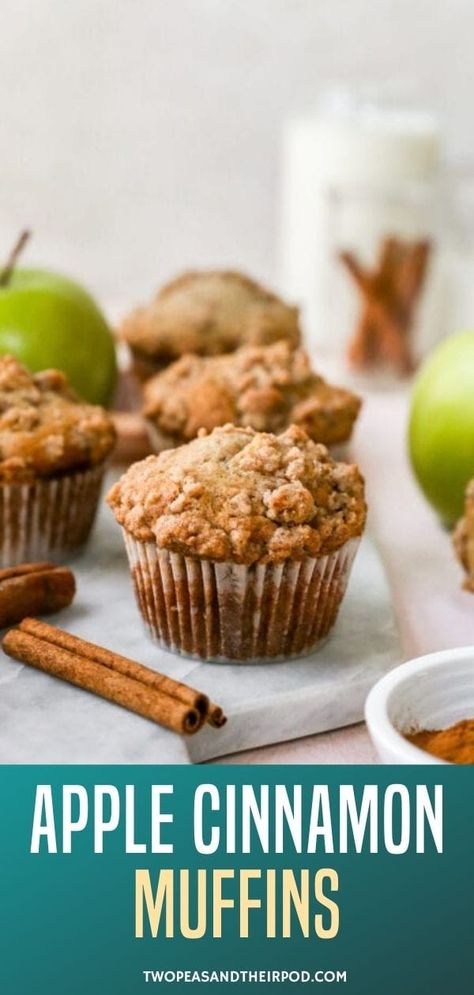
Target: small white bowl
column 431, row 692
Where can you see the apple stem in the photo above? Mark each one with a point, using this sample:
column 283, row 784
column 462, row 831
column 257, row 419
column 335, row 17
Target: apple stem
column 6, row 272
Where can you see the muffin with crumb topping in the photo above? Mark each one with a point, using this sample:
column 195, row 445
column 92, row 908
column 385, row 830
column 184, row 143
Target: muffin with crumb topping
column 209, row 313
column 53, row 452
column 266, row 388
column 240, row 542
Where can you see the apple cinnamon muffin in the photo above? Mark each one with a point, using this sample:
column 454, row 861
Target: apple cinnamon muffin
column 464, row 539
column 53, row 452
column 266, row 388
column 240, row 543
column 207, row 313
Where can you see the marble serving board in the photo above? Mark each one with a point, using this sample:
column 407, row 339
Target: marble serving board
column 43, row 720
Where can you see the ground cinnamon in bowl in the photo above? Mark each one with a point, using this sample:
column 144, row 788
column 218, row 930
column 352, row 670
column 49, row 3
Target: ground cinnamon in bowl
column 454, row 744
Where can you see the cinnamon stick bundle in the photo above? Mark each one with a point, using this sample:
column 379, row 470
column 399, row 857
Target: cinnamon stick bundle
column 112, row 676
column 390, row 294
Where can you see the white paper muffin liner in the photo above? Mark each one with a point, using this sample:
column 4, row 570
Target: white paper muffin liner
column 159, row 440
column 232, row 612
column 48, row 519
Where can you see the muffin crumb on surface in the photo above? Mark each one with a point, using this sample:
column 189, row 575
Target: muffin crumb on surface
column 243, row 496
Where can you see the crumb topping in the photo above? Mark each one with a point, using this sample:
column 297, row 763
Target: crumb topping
column 464, row 539
column 44, row 429
column 209, row 313
column 266, row 388
column 243, row 496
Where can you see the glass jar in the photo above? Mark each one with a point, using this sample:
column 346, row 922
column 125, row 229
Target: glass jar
column 361, row 230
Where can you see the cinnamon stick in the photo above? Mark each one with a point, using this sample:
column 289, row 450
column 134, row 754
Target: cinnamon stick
column 378, row 331
column 34, row 587
column 86, row 673
column 121, row 664
column 111, row 676
column 216, row 716
column 390, row 294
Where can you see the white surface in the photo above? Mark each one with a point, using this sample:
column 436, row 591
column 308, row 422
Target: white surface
column 431, row 692
column 44, row 720
column 138, row 138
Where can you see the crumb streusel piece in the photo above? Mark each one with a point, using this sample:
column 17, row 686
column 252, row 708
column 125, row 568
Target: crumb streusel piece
column 243, row 496
column 45, row 430
column 263, row 387
column 464, row 539
column 208, row 313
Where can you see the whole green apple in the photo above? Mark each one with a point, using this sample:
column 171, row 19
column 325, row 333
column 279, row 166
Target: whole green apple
column 441, row 427
column 47, row 320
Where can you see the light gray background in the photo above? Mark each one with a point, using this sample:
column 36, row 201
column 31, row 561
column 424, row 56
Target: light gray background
column 141, row 136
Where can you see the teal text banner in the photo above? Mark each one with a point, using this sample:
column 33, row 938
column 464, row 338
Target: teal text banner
column 389, row 919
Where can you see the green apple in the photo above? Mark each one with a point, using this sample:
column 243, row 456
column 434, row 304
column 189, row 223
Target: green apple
column 47, row 320
column 441, row 427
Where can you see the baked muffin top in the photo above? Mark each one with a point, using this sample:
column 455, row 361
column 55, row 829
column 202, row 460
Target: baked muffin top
column 464, row 539
column 243, row 496
column 264, row 387
column 209, row 313
column 45, row 430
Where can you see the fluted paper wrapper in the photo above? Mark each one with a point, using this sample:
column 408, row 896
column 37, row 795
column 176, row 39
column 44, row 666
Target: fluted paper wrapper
column 49, row 519
column 229, row 611
column 159, row 440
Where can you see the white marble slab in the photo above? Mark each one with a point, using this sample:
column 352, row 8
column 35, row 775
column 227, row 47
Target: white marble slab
column 43, row 720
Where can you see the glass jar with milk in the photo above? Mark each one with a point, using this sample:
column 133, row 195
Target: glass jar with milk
column 364, row 231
